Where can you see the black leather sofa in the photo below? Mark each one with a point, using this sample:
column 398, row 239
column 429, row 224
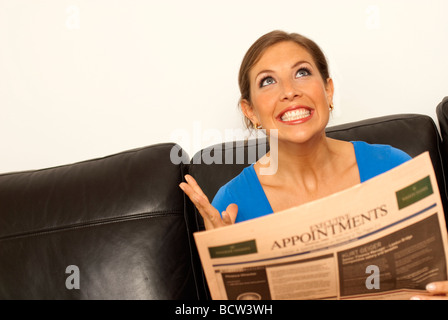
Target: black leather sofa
column 119, row 227
column 442, row 116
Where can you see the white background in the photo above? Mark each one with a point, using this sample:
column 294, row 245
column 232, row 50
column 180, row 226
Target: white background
column 81, row 79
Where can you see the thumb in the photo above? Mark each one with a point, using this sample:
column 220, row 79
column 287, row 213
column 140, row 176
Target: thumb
column 229, row 216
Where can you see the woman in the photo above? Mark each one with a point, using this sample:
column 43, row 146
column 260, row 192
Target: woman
column 287, row 91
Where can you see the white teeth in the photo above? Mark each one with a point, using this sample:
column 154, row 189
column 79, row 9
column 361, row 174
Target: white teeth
column 296, row 114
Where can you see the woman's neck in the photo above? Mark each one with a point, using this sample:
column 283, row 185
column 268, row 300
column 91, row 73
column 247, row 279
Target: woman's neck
column 303, row 164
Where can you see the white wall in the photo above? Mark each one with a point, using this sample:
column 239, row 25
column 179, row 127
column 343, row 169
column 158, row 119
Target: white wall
column 81, row 79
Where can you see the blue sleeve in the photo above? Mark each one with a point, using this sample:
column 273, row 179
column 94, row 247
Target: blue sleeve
column 221, row 199
column 398, row 156
column 247, row 193
column 376, row 159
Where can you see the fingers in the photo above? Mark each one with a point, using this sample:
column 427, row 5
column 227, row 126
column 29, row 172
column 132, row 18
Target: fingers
column 192, row 183
column 211, row 216
column 229, row 216
column 226, row 218
column 437, row 291
column 439, row 287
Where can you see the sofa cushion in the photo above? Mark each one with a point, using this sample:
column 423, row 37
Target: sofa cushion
column 119, row 219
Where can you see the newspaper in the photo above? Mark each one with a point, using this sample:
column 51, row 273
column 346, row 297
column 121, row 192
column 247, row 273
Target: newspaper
column 383, row 239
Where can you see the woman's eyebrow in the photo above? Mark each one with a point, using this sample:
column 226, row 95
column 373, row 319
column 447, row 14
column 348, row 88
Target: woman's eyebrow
column 263, row 71
column 299, row 63
column 271, row 71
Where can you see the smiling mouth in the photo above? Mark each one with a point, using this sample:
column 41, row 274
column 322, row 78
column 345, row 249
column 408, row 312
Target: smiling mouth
column 295, row 115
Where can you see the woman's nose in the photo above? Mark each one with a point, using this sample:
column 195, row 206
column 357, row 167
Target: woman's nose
column 289, row 90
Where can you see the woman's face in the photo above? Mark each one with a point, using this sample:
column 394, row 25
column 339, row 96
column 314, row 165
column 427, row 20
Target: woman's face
column 288, row 93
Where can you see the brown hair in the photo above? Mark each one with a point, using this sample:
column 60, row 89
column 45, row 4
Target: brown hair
column 259, row 47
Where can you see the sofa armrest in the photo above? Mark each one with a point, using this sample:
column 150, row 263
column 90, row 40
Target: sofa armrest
column 119, row 219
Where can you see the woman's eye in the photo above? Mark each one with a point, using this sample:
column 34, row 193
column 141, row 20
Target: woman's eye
column 267, row 81
column 302, row 73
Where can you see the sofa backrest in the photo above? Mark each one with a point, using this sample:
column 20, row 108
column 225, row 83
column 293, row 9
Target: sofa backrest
column 442, row 117
column 115, row 225
column 412, row 133
column 122, row 226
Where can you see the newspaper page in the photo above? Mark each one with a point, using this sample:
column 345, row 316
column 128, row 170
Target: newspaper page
column 383, row 239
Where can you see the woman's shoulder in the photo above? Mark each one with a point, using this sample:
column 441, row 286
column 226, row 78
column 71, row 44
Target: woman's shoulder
column 379, row 151
column 246, row 192
column 374, row 159
column 236, row 186
column 245, row 177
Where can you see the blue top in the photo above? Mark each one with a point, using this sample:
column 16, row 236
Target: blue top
column 246, row 191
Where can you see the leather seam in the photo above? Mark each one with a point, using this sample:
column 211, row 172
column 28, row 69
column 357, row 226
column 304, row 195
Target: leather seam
column 146, row 215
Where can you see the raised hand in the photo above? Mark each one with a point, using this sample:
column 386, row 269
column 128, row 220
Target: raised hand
column 211, row 216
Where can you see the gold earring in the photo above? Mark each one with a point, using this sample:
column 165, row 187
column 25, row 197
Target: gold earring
column 257, row 126
column 331, row 106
